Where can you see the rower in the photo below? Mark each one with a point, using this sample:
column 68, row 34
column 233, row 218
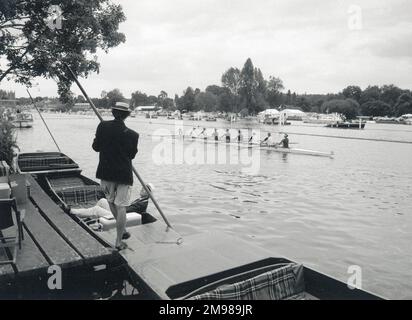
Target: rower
column 251, row 138
column 227, row 135
column 267, row 140
column 192, row 133
column 285, row 142
column 239, row 136
column 215, row 135
column 203, row 133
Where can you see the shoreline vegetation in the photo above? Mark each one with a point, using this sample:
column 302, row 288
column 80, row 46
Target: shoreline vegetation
column 8, row 141
column 247, row 92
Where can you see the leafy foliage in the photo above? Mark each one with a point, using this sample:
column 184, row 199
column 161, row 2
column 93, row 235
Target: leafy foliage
column 404, row 104
column 352, row 92
column 375, row 108
column 349, row 107
column 31, row 48
column 7, row 141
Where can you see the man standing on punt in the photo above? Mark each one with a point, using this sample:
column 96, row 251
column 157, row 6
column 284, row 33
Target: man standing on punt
column 117, row 146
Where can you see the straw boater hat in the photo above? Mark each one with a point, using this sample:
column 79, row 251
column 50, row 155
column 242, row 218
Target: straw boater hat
column 122, row 106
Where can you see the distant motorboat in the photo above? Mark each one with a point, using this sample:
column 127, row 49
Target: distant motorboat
column 406, row 119
column 323, row 118
column 22, row 120
column 347, row 125
column 387, row 120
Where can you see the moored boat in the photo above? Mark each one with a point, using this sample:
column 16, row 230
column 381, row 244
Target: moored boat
column 210, row 118
column 317, row 118
column 387, row 120
column 45, row 162
column 347, row 125
column 406, row 119
column 22, row 120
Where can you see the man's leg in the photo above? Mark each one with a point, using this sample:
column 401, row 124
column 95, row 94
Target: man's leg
column 113, row 209
column 120, row 224
column 119, row 213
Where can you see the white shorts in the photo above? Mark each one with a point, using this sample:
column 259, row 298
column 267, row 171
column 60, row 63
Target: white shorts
column 117, row 193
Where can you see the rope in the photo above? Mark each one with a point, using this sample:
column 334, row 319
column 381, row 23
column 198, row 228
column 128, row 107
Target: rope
column 51, row 135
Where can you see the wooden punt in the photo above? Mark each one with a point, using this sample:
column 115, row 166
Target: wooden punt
column 45, row 162
column 77, row 191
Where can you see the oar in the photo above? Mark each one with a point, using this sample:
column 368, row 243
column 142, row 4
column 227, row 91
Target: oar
column 133, row 168
column 47, row 127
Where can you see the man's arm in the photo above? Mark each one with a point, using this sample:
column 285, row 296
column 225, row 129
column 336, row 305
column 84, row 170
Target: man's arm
column 133, row 147
column 97, row 140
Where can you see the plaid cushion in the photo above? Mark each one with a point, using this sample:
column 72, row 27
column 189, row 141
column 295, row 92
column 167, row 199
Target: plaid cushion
column 84, row 196
column 66, row 182
column 33, row 163
column 272, row 285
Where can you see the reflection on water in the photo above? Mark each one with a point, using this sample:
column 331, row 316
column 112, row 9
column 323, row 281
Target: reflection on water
column 354, row 209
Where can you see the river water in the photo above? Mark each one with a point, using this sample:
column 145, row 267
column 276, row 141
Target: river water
column 329, row 214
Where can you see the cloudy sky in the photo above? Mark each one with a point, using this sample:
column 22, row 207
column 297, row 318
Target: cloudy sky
column 314, row 46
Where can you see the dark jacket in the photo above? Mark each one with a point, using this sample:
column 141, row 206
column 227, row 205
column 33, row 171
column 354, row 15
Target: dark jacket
column 117, row 145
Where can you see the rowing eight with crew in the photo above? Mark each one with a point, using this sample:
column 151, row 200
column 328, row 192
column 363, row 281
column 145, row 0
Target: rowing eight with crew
column 268, row 141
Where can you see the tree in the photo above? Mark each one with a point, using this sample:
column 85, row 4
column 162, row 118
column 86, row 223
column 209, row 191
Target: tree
column 216, row 90
column 114, row 96
column 80, row 99
column 404, row 105
column 206, row 101
column 248, row 87
column 187, row 101
column 163, row 101
column 349, row 107
column 138, row 99
column 231, row 80
column 227, row 102
column 303, row 104
column 34, row 44
column 390, row 94
column 371, row 93
column 288, row 97
column 152, row 100
column 375, row 108
column 352, row 92
column 6, row 95
column 274, row 91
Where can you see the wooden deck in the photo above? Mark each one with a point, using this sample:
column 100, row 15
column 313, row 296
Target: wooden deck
column 51, row 237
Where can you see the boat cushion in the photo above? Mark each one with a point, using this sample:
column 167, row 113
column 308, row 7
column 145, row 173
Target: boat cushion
column 83, row 196
column 276, row 284
column 45, row 163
